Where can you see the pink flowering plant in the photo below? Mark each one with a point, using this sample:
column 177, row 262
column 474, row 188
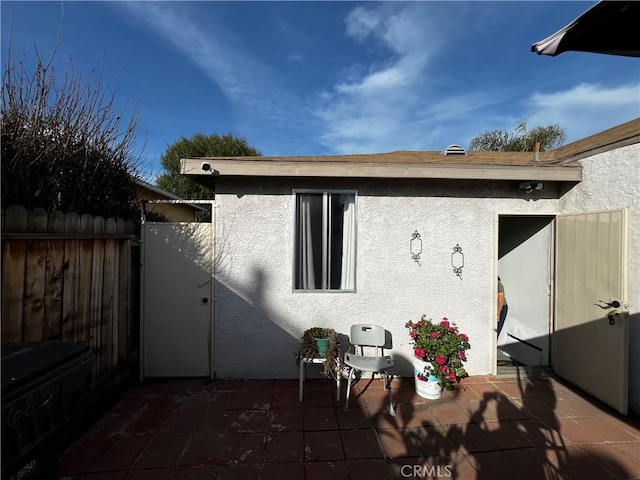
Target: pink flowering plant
column 443, row 346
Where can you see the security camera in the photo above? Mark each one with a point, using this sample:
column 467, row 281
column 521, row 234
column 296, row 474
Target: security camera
column 205, row 166
column 529, row 187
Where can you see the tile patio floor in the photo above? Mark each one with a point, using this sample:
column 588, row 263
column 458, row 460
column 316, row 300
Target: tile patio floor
column 490, row 428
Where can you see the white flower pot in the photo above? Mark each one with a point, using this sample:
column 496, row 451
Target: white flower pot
column 429, row 389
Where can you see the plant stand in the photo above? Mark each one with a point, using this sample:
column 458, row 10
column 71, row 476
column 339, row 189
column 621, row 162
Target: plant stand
column 303, row 364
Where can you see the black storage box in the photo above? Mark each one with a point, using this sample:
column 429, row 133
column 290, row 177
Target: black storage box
column 44, row 385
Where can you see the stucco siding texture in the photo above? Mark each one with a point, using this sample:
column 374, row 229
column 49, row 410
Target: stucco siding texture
column 260, row 318
column 611, row 180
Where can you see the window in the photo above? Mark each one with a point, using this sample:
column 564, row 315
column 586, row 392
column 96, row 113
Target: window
column 325, row 255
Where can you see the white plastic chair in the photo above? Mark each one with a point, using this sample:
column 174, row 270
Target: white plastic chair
column 371, row 337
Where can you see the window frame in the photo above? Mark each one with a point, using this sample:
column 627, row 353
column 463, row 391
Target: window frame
column 325, row 192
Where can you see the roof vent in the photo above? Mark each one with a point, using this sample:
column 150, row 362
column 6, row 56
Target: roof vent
column 454, row 150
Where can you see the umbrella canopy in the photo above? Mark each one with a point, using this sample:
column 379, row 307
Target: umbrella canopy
column 609, row 27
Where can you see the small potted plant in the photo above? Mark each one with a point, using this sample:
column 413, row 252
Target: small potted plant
column 440, row 350
column 320, row 342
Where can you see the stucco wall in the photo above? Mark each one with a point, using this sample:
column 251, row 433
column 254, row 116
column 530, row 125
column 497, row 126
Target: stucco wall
column 610, row 181
column 259, row 319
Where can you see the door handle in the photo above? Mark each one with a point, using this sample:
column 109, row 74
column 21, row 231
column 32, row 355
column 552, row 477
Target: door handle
column 614, row 304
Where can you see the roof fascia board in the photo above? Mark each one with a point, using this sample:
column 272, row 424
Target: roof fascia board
column 191, row 166
column 619, row 136
column 567, row 160
column 155, row 189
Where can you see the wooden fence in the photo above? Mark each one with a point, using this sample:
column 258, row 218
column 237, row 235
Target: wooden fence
column 74, row 278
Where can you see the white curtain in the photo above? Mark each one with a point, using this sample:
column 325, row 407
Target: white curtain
column 348, row 278
column 306, row 272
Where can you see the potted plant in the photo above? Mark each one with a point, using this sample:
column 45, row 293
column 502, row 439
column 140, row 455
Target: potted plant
column 440, row 350
column 320, row 342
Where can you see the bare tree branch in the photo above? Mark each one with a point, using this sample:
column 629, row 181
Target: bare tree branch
column 66, row 144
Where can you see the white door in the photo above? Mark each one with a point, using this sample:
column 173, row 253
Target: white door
column 590, row 339
column 177, row 300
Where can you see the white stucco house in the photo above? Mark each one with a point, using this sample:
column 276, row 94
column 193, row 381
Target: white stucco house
column 384, row 238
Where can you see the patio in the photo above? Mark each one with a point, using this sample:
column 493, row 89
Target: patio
column 491, row 427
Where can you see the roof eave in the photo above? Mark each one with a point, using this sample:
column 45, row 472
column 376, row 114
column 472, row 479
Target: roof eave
column 258, row 168
column 155, row 189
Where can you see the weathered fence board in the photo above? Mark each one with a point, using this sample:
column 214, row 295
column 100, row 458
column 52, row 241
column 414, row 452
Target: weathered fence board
column 84, row 291
column 124, row 305
column 97, row 282
column 14, row 254
column 13, row 284
column 53, row 290
column 34, row 290
column 71, row 280
column 52, row 325
column 35, row 281
column 69, row 277
column 108, row 296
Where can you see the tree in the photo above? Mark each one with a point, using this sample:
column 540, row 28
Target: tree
column 65, row 144
column 199, row 145
column 521, row 140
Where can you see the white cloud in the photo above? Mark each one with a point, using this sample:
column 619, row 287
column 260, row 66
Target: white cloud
column 375, row 83
column 402, row 98
column 361, row 22
column 586, row 108
column 376, row 105
column 250, row 86
column 404, row 30
column 398, row 99
column 587, row 96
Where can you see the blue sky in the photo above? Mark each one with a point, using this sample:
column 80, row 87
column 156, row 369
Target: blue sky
column 310, row 78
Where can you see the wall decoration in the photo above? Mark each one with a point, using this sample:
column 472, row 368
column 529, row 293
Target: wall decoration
column 415, row 247
column 457, row 260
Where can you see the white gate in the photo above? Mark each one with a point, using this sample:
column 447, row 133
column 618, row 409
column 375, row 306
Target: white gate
column 177, row 298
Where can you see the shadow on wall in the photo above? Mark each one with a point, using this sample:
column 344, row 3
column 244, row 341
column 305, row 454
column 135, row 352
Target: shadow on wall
column 525, row 425
column 250, row 341
column 634, row 363
column 518, row 230
column 253, row 339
